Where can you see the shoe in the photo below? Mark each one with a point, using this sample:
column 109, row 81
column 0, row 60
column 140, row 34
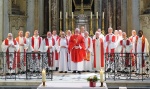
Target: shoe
column 60, row 71
column 74, row 72
column 83, row 71
column 87, row 71
column 79, row 72
column 96, row 71
column 65, row 72
column 56, row 68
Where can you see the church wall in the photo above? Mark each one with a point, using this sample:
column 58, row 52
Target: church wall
column 1, row 21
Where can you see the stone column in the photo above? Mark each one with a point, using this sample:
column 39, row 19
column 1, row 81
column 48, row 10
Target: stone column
column 135, row 14
column 100, row 14
column 41, row 16
column 30, row 14
column 124, row 15
column 129, row 17
column 6, row 17
column 64, row 15
column 50, row 26
column 36, row 15
column 1, row 21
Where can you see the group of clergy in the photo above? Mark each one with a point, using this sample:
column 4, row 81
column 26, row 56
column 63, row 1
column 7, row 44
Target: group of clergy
column 76, row 52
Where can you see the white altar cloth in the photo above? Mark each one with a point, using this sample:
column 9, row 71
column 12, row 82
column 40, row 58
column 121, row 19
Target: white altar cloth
column 70, row 85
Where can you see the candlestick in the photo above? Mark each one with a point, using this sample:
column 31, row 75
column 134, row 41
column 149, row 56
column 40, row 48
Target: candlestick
column 96, row 15
column 91, row 15
column 66, row 15
column 43, row 76
column 103, row 15
column 72, row 15
column 60, row 15
column 101, row 75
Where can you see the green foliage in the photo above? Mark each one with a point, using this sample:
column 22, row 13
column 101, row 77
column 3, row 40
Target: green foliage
column 92, row 78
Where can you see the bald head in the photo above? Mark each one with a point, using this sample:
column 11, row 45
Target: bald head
column 10, row 36
column 97, row 34
column 49, row 34
column 116, row 32
column 86, row 34
column 77, row 31
column 133, row 33
column 110, row 30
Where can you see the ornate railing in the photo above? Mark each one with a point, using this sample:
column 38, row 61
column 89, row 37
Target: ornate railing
column 128, row 66
column 25, row 65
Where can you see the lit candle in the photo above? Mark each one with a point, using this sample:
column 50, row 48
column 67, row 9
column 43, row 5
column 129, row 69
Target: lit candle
column 43, row 75
column 96, row 15
column 60, row 15
column 72, row 15
column 91, row 15
column 66, row 15
column 101, row 75
column 103, row 15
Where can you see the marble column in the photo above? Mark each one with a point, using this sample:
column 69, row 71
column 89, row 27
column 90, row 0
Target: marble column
column 6, row 18
column 135, row 14
column 53, row 13
column 30, row 14
column 124, row 15
column 1, row 21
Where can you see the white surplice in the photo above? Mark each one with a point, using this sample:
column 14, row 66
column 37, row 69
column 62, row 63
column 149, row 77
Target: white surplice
column 88, row 46
column 63, row 53
column 11, row 55
column 69, row 58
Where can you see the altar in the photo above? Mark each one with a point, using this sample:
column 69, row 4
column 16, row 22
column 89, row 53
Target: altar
column 70, row 85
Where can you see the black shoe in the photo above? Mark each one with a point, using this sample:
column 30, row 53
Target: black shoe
column 56, row 68
column 74, row 72
column 79, row 72
column 87, row 71
column 83, row 71
column 60, row 71
column 65, row 72
column 96, row 71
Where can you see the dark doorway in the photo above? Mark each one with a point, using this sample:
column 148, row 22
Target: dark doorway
column 46, row 16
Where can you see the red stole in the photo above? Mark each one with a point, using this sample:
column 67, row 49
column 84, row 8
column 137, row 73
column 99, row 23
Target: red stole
column 112, row 40
column 50, row 62
column 87, row 54
column 143, row 47
column 7, row 54
column 32, row 39
column 101, row 52
column 36, row 44
column 18, row 53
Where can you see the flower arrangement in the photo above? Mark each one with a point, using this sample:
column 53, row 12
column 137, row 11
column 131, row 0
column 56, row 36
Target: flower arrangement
column 92, row 78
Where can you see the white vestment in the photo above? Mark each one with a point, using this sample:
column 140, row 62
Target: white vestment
column 144, row 52
column 69, row 57
column 11, row 55
column 56, row 54
column 28, row 44
column 88, row 61
column 63, row 54
column 52, row 50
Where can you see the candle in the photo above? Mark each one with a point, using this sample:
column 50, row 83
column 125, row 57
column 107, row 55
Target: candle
column 72, row 15
column 96, row 15
column 60, row 15
column 66, row 15
column 43, row 75
column 103, row 15
column 91, row 15
column 101, row 75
